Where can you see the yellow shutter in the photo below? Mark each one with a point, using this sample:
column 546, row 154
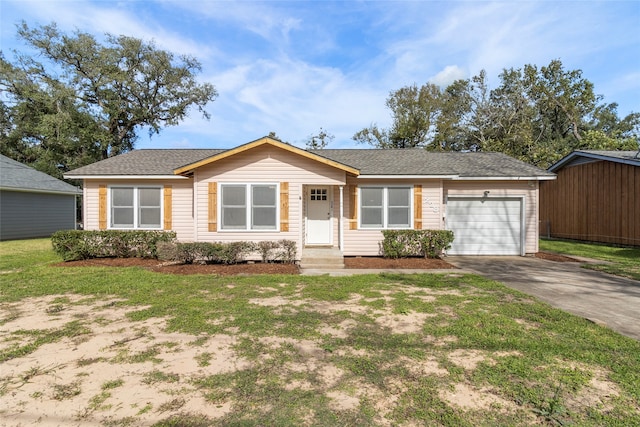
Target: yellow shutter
column 284, row 206
column 213, row 208
column 102, row 207
column 417, row 207
column 353, row 207
column 168, row 207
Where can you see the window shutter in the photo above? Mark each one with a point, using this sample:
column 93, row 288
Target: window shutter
column 168, row 207
column 353, row 207
column 417, row 207
column 102, row 207
column 213, row 208
column 284, row 206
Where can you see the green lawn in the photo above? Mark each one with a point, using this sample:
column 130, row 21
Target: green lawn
column 620, row 261
column 390, row 349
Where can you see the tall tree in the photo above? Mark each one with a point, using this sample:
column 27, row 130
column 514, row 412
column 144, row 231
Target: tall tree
column 93, row 97
column 414, row 111
column 535, row 114
column 319, row 141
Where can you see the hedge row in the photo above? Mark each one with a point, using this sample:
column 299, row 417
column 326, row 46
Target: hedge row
column 74, row 245
column 408, row 243
column 227, row 252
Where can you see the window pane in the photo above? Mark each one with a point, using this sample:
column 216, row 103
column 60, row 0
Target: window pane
column 398, row 217
column 149, row 217
column 399, row 196
column 234, row 218
column 122, row 197
column 234, row 207
column 264, row 218
column 122, row 217
column 149, row 197
column 264, row 195
column 371, row 196
column 234, row 195
column 371, row 217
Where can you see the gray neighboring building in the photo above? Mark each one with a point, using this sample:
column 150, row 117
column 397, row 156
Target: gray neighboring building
column 32, row 203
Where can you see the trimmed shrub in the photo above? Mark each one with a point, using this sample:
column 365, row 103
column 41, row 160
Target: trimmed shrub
column 74, row 245
column 288, row 251
column 413, row 243
column 234, row 252
column 267, row 250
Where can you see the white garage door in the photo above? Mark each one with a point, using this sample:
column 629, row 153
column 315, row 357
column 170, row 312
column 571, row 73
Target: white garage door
column 485, row 226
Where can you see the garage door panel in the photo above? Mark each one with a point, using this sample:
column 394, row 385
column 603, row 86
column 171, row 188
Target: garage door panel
column 485, row 226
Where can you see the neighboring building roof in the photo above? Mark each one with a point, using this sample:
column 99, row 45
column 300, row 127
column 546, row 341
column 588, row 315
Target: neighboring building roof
column 363, row 162
column 18, row 177
column 586, row 156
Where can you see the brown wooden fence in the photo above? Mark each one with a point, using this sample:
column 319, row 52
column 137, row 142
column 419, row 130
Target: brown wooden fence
column 598, row 202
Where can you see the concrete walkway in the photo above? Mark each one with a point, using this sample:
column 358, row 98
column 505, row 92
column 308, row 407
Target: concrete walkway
column 602, row 298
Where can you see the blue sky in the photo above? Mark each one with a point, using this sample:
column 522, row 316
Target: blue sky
column 293, row 67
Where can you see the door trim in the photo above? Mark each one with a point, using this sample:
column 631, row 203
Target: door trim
column 307, row 199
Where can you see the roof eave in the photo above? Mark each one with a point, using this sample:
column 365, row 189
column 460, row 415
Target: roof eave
column 507, row 178
column 74, row 192
column 569, row 157
column 121, row 177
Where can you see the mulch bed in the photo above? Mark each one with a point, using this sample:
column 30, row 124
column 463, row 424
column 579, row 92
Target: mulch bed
column 253, row 268
column 407, row 263
column 277, row 268
column 555, row 257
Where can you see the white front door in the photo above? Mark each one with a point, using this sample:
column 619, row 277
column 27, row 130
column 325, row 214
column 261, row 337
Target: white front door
column 319, row 225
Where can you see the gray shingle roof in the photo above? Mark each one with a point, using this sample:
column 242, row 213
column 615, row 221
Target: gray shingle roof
column 15, row 175
column 368, row 161
column 145, row 162
column 576, row 157
column 422, row 162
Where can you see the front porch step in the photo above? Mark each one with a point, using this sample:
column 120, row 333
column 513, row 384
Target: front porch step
column 329, row 258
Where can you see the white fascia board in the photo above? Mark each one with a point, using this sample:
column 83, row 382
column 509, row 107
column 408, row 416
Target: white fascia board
column 506, row 178
column 408, row 176
column 103, row 177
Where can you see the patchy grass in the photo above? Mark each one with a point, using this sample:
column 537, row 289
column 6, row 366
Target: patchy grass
column 620, row 261
column 130, row 347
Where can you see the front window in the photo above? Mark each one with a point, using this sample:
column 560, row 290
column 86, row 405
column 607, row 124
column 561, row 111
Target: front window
column 136, row 207
column 249, row 206
column 385, row 207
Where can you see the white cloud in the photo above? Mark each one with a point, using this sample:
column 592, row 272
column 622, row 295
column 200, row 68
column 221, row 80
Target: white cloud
column 447, row 76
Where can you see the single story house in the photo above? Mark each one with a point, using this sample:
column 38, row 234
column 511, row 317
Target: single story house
column 339, row 198
column 595, row 198
column 32, row 203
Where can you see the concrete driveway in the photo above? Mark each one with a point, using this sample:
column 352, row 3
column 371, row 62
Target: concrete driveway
column 605, row 299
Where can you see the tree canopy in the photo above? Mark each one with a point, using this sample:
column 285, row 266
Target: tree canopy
column 89, row 100
column 535, row 114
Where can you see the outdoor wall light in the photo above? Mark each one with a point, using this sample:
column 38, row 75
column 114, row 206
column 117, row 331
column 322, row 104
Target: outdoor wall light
column 486, row 193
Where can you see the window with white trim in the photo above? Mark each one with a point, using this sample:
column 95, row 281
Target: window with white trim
column 385, row 207
column 249, row 206
column 136, row 207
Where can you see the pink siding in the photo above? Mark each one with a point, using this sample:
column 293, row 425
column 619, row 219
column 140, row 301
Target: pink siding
column 366, row 242
column 182, row 206
column 272, row 165
column 434, row 192
column 528, row 189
